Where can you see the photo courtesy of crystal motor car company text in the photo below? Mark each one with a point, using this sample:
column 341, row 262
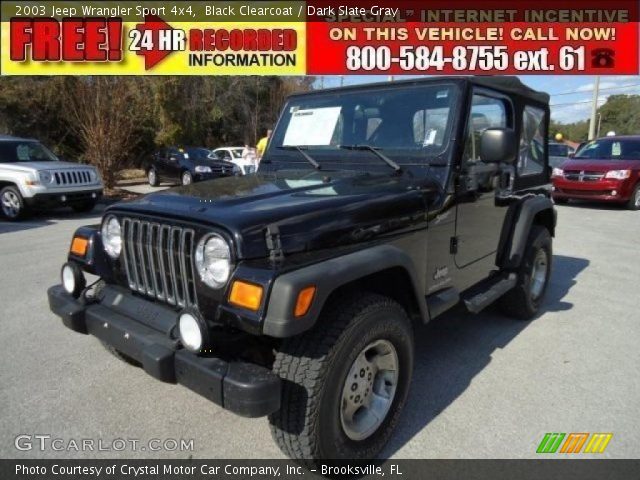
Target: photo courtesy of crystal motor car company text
column 318, row 235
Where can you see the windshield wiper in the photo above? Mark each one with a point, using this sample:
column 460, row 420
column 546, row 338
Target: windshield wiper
column 376, row 151
column 306, row 156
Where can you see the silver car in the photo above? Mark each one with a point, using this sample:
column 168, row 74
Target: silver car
column 31, row 176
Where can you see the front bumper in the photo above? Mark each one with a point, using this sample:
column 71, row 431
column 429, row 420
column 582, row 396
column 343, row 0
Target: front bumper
column 605, row 190
column 143, row 330
column 201, row 177
column 63, row 198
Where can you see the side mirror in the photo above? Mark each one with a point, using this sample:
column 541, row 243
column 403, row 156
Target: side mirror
column 498, row 145
column 571, row 155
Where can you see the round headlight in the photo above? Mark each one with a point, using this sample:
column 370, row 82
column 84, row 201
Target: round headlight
column 213, row 260
column 190, row 332
column 112, row 236
column 73, row 280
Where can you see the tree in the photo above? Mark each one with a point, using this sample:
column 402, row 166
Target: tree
column 113, row 122
column 577, row 132
column 620, row 114
column 102, row 112
column 32, row 107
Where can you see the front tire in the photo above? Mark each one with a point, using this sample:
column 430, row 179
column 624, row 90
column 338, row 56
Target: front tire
column 634, row 201
column 187, row 178
column 524, row 300
column 354, row 365
column 123, row 357
column 12, row 203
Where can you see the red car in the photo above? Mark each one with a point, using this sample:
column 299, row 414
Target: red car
column 606, row 169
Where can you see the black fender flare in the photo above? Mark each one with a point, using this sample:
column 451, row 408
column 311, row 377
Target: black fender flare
column 512, row 249
column 95, row 260
column 328, row 276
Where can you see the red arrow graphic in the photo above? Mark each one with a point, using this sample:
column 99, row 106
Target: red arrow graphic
column 153, row 56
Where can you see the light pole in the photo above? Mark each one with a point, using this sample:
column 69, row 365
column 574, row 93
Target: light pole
column 594, row 108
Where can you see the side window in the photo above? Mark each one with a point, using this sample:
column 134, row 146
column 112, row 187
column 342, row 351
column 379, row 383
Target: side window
column 531, row 155
column 173, row 153
column 486, row 112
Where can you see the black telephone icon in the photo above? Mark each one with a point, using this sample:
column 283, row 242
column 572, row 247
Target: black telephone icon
column 603, row 58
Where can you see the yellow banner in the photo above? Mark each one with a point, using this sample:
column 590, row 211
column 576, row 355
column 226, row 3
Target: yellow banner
column 72, row 40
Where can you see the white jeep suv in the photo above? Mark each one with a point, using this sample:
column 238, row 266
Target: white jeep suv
column 32, row 176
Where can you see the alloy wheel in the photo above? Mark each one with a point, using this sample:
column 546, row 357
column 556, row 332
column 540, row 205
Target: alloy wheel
column 369, row 390
column 539, row 274
column 10, row 204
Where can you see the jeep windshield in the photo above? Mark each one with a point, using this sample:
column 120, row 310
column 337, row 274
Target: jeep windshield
column 14, row 151
column 344, row 129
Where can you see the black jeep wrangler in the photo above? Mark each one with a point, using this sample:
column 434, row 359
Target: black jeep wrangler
column 294, row 292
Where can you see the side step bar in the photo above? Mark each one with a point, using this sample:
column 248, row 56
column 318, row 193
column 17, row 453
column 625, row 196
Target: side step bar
column 495, row 289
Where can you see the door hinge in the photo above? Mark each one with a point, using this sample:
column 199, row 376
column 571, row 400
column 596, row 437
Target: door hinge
column 273, row 243
column 453, row 245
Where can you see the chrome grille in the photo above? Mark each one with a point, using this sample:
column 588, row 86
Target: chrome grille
column 158, row 261
column 583, row 176
column 72, row 177
column 222, row 169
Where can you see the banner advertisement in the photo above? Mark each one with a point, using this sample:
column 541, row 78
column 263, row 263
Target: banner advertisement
column 314, row 38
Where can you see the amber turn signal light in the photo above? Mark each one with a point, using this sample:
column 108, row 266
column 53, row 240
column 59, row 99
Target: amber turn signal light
column 79, row 246
column 303, row 303
column 246, row 295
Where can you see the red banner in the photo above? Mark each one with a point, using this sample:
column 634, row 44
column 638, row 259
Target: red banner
column 543, row 37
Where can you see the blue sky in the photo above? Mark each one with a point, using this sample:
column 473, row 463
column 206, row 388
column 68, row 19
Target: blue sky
column 570, row 95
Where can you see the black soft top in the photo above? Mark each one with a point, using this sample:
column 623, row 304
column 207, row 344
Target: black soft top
column 511, row 84
column 507, row 84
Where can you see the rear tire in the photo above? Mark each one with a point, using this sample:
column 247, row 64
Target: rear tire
column 524, row 300
column 560, row 201
column 634, row 201
column 12, row 204
column 327, row 414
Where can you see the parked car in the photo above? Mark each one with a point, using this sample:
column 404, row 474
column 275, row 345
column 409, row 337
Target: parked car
column 558, row 153
column 31, row 176
column 294, row 292
column 234, row 155
column 606, row 169
column 186, row 165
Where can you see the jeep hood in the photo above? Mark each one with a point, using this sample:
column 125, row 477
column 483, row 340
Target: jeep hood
column 311, row 210
column 39, row 166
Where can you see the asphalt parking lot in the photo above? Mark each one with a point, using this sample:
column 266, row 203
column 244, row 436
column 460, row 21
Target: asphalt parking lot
column 484, row 386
